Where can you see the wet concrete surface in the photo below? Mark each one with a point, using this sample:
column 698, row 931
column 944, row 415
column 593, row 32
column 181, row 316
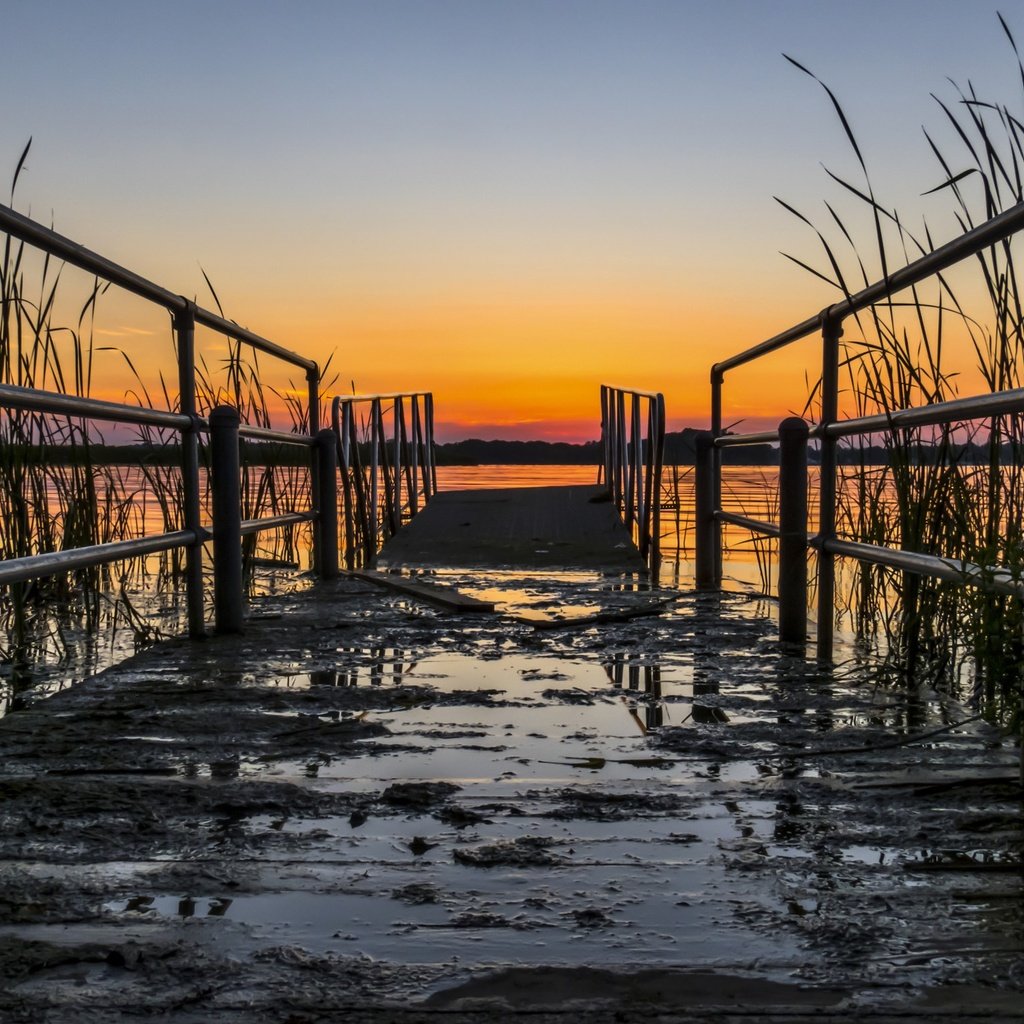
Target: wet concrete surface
column 364, row 808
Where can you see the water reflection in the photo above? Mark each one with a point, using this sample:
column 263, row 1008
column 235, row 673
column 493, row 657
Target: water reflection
column 374, row 666
column 174, row 906
column 638, row 677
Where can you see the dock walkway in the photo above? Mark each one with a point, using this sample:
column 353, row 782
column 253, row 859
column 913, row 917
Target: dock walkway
column 573, row 527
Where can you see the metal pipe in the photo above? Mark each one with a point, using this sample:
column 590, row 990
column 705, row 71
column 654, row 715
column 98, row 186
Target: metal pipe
column 53, row 402
column 280, row 436
column 793, row 531
column 658, row 443
column 704, row 514
column 997, row 403
column 753, row 525
column 31, row 567
column 35, row 234
column 1000, row 581
column 327, row 513
column 831, row 332
column 414, row 455
column 384, row 396
column 652, row 395
column 248, row 527
column 717, row 382
column 185, row 330
column 970, row 243
column 226, row 502
column 738, row 440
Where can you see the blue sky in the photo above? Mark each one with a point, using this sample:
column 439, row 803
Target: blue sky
column 359, row 173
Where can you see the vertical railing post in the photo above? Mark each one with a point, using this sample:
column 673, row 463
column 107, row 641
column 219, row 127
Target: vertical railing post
column 313, row 410
column 793, row 434
column 327, row 511
column 637, row 464
column 606, row 437
column 376, row 433
column 717, row 380
column 658, row 459
column 706, row 556
column 831, row 332
column 342, row 416
column 185, row 330
column 622, row 448
column 428, row 442
column 414, row 456
column 226, row 502
column 396, row 477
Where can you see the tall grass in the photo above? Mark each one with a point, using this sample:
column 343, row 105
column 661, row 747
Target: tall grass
column 897, row 354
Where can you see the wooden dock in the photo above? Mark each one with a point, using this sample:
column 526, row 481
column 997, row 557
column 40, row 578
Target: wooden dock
column 574, row 527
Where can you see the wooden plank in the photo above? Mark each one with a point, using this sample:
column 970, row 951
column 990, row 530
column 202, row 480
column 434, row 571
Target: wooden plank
column 570, row 527
column 446, row 597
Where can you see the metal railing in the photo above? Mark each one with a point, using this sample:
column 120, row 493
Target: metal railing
column 829, row 324
column 186, row 315
column 387, row 466
column 633, row 451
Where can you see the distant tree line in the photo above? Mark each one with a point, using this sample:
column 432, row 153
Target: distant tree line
column 680, row 449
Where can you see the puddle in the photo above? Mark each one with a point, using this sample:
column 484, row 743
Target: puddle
column 530, row 916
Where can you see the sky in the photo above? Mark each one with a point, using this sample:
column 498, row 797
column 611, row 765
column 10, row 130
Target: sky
column 506, row 203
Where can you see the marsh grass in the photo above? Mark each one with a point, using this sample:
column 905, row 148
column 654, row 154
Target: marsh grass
column 946, row 500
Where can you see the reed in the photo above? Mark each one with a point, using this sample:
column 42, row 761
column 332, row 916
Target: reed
column 933, row 495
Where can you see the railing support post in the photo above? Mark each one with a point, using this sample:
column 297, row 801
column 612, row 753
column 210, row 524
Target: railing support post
column 185, row 331
column 226, row 502
column 327, row 511
column 793, row 434
column 831, row 332
column 705, row 525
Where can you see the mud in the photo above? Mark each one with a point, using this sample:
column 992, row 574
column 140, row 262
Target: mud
column 364, row 809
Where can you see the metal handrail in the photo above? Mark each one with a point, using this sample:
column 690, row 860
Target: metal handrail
column 633, row 448
column 35, row 400
column 831, row 428
column 36, row 234
column 738, row 440
column 49, row 563
column 280, row 436
column 186, row 315
column 401, row 463
column 970, row 243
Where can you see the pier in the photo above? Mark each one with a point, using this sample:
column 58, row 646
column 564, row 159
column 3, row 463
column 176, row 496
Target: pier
column 580, row 794
column 516, row 528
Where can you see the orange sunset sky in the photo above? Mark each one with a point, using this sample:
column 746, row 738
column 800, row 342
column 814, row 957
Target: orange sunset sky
column 506, row 203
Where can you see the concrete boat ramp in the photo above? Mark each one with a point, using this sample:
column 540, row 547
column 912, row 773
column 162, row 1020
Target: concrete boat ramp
column 365, row 808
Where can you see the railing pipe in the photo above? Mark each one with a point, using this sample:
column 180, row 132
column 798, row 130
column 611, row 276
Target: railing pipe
column 414, row 454
column 705, row 524
column 715, row 470
column 54, row 402
column 831, row 332
column 326, row 528
column 226, row 502
column 185, row 331
column 49, row 563
column 35, row 234
column 793, row 531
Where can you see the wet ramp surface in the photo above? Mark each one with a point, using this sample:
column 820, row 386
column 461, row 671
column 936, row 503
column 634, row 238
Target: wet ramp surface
column 572, row 527
column 365, row 804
